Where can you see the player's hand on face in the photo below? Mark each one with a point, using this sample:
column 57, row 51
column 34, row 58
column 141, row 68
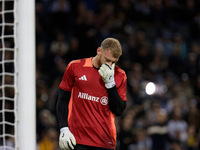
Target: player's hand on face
column 107, row 73
column 67, row 140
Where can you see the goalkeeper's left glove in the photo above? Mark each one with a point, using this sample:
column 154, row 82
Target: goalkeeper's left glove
column 107, row 73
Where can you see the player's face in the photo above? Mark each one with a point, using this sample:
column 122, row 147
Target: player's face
column 107, row 57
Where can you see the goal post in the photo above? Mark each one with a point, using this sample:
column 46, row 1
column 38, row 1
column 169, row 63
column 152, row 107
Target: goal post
column 17, row 75
column 25, row 68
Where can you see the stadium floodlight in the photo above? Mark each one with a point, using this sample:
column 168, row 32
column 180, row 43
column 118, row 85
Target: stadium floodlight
column 150, row 88
column 17, row 75
column 155, row 88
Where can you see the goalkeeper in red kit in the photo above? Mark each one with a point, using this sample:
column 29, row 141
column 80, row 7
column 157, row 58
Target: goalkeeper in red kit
column 92, row 92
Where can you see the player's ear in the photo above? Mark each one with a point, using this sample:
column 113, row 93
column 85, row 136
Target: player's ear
column 99, row 51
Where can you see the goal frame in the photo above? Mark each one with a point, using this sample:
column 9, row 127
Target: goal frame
column 25, row 75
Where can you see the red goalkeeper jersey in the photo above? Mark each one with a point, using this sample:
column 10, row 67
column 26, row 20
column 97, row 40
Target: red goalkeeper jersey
column 90, row 119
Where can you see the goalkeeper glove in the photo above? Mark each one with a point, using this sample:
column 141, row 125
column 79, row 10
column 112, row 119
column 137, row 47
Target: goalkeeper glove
column 67, row 140
column 107, row 74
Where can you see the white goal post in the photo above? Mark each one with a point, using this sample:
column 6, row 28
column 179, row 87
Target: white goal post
column 25, row 36
column 17, row 75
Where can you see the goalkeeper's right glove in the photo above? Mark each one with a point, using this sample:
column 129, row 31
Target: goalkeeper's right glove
column 67, row 140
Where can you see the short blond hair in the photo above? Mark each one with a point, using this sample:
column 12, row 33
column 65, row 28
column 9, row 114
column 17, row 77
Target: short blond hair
column 113, row 45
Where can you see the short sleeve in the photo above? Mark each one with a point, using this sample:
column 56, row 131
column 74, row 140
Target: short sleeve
column 122, row 89
column 68, row 78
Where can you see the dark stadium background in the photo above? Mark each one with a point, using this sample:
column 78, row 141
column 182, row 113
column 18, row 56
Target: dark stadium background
column 161, row 44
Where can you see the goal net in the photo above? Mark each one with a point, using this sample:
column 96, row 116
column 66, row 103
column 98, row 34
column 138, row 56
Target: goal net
column 7, row 76
column 17, row 93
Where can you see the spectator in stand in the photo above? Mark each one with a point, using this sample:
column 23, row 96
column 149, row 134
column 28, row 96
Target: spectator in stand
column 178, row 127
column 158, row 131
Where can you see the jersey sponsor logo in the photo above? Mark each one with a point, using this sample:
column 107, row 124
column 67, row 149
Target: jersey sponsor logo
column 83, row 78
column 88, row 97
column 104, row 100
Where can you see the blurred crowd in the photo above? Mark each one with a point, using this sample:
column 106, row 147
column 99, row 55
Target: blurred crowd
column 161, row 44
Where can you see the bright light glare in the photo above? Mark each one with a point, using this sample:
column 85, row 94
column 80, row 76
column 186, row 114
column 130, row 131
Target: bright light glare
column 150, row 88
